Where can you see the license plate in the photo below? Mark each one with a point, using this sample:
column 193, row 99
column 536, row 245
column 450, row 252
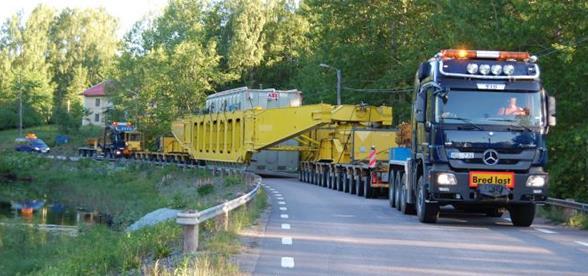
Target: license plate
column 496, row 178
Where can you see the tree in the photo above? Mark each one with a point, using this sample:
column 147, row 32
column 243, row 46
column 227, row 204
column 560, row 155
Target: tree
column 82, row 53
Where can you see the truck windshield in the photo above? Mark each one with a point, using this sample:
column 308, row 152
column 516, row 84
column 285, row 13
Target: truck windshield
column 491, row 108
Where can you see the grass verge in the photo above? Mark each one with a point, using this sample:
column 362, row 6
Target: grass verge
column 48, row 133
column 564, row 216
column 219, row 246
column 124, row 191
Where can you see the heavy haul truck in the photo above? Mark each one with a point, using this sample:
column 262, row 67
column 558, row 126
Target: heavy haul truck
column 477, row 137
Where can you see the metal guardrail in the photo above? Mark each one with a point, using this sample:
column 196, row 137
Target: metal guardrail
column 191, row 220
column 228, row 206
column 568, row 204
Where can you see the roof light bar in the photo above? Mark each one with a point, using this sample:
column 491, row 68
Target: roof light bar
column 471, row 54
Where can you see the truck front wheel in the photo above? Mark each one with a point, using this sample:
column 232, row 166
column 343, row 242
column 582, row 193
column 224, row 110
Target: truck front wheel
column 426, row 212
column 522, row 215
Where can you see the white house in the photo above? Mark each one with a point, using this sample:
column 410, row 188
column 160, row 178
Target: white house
column 96, row 103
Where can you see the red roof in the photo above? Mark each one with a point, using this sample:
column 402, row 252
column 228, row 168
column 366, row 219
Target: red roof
column 95, row 91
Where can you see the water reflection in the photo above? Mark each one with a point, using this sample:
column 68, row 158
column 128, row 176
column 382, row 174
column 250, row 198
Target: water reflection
column 52, row 214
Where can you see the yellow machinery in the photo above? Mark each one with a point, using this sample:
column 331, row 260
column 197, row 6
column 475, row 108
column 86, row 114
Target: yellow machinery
column 232, row 137
column 335, row 141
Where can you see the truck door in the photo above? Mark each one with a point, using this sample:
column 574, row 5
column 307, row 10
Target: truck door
column 420, row 143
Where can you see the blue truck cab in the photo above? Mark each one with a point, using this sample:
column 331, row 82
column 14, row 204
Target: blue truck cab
column 479, row 121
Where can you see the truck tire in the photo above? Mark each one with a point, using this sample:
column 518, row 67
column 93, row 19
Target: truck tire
column 391, row 189
column 398, row 183
column 348, row 183
column 522, row 215
column 355, row 188
column 426, row 212
column 368, row 192
column 360, row 189
column 405, row 207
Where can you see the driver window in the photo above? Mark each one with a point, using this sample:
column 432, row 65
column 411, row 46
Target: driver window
column 514, row 107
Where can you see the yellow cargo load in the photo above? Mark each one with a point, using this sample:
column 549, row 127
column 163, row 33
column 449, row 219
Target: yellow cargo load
column 234, row 136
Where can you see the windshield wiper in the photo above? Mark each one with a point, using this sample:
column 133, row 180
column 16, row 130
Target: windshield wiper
column 464, row 120
column 519, row 125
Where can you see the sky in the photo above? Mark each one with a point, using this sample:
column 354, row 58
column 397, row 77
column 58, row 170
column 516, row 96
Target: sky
column 126, row 11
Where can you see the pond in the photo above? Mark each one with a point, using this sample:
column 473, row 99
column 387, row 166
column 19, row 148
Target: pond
column 52, row 216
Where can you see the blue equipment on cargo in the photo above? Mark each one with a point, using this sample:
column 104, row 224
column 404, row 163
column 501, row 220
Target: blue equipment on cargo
column 400, row 153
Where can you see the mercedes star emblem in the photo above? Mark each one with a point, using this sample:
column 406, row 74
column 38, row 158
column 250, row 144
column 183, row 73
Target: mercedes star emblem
column 490, row 157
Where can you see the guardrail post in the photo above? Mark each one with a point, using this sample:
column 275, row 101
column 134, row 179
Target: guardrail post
column 190, row 221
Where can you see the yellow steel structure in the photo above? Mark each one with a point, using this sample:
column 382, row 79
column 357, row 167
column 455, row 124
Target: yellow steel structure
column 349, row 143
column 234, row 136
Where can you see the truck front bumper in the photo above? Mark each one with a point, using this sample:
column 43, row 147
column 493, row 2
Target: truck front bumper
column 461, row 192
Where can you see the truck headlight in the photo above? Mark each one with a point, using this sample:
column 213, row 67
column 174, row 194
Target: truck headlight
column 536, row 181
column 446, row 179
column 37, row 148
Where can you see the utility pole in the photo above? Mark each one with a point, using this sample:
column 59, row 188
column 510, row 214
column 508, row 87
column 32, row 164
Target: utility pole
column 338, row 80
column 20, row 115
column 20, row 106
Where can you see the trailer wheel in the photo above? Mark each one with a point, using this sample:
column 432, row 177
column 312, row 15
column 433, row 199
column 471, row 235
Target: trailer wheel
column 360, row 189
column 355, row 188
column 391, row 189
column 398, row 183
column 347, row 183
column 426, row 212
column 330, row 179
column 522, row 215
column 368, row 192
column 405, row 207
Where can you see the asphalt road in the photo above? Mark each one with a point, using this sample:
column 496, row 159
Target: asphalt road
column 313, row 230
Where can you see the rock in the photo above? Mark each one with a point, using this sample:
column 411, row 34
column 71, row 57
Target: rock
column 155, row 217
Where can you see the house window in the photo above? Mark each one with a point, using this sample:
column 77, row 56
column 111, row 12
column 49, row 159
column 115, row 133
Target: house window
column 97, row 102
column 96, row 117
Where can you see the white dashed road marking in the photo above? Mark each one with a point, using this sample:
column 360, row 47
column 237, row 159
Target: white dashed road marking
column 288, row 262
column 545, row 231
column 285, row 226
column 343, row 216
column 278, row 194
column 283, row 208
column 279, row 198
column 282, row 202
column 284, row 216
column 287, row 240
column 582, row 243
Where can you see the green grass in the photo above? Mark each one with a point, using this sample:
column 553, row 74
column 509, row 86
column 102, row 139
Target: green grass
column 48, row 133
column 562, row 216
column 218, row 245
column 124, row 190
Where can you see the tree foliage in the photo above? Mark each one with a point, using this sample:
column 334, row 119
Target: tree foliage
column 50, row 58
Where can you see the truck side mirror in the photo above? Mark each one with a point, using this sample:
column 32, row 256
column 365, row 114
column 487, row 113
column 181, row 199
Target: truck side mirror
column 424, row 70
column 551, row 119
